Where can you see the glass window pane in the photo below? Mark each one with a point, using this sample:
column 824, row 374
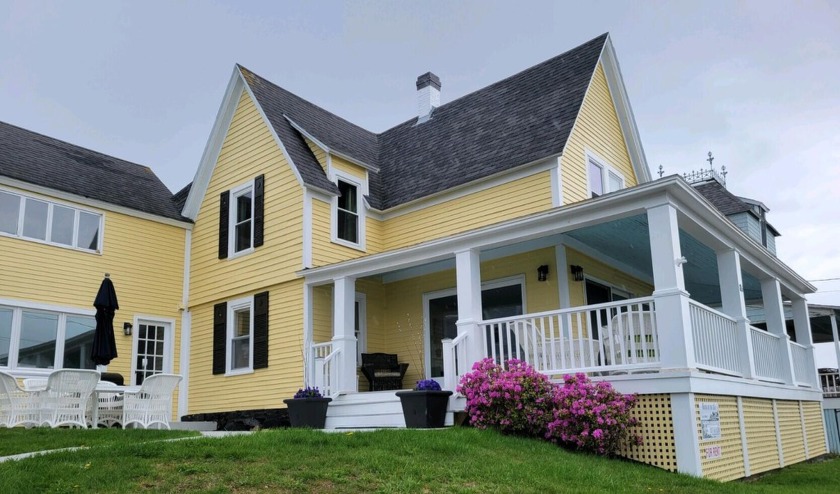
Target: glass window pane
column 348, row 198
column 596, row 181
column 242, row 323
column 78, row 338
column 61, row 231
column 35, row 219
column 88, row 231
column 243, row 207
column 5, row 336
column 240, row 357
column 348, row 226
column 9, row 212
column 243, row 236
column 37, row 340
column 616, row 183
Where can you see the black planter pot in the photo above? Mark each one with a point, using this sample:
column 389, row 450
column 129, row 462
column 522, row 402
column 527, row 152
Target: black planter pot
column 308, row 412
column 424, row 409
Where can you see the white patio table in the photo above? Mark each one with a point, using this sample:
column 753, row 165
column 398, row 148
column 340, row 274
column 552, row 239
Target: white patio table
column 103, row 389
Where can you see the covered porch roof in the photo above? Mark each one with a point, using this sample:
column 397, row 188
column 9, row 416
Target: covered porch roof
column 614, row 226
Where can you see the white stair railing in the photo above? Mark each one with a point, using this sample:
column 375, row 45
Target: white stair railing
column 324, row 368
column 830, row 383
column 455, row 363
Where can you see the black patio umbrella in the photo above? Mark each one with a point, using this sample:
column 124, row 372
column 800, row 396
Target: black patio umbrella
column 104, row 347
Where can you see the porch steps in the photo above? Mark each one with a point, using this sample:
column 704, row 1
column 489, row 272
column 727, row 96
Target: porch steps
column 370, row 410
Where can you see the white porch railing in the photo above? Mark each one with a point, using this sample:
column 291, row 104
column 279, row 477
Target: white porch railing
column 830, row 383
column 802, row 368
column 715, row 340
column 769, row 365
column 614, row 336
column 323, row 369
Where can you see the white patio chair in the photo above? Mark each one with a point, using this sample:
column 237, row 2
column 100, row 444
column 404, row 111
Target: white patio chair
column 17, row 406
column 65, row 401
column 633, row 338
column 152, row 403
column 35, row 383
column 109, row 404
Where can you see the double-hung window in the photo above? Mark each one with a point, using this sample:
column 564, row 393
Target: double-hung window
column 348, row 226
column 241, row 218
column 602, row 177
column 45, row 221
column 240, row 335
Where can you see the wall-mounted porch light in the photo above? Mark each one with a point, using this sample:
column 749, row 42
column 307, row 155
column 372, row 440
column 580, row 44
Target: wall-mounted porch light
column 127, row 328
column 542, row 272
column 577, row 272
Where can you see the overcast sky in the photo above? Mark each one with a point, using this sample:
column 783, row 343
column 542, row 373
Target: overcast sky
column 756, row 83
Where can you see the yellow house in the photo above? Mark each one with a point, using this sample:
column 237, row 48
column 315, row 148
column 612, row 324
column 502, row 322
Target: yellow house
column 517, row 221
column 68, row 217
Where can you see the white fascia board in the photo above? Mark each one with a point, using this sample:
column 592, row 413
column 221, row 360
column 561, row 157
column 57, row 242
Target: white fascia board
column 46, row 192
column 213, row 147
column 528, row 169
column 618, row 91
column 327, row 149
column 705, row 383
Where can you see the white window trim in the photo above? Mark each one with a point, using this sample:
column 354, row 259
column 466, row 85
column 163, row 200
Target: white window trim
column 362, row 191
column 18, row 307
column 232, row 307
column 606, row 169
column 50, row 203
column 234, row 192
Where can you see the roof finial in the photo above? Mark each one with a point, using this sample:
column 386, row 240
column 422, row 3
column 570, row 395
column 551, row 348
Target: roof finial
column 710, row 160
column 661, row 171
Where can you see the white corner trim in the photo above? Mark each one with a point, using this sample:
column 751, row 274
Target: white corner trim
column 86, row 201
column 308, row 374
column 210, row 156
column 308, row 197
column 557, row 184
column 327, row 149
column 184, row 367
column 618, row 91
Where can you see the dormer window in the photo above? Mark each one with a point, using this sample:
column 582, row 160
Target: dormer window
column 603, row 178
column 348, row 225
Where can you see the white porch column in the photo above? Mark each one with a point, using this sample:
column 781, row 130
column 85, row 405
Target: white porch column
column 732, row 298
column 344, row 337
column 468, row 279
column 802, row 329
column 834, row 334
column 774, row 313
column 673, row 322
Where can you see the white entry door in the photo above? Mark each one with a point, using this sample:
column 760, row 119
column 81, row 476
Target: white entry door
column 152, row 349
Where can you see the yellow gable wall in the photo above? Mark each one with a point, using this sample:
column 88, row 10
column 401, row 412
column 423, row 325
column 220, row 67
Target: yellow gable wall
column 249, row 150
column 597, row 130
column 48, row 274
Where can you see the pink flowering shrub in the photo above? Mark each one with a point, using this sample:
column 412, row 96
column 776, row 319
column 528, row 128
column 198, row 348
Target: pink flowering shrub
column 518, row 400
column 591, row 416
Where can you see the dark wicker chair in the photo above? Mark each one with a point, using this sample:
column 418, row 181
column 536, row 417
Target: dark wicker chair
column 383, row 371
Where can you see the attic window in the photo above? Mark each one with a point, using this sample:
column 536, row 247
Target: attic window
column 348, row 215
column 603, row 178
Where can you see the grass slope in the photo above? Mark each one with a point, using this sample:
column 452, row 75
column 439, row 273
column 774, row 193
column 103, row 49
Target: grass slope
column 454, row 460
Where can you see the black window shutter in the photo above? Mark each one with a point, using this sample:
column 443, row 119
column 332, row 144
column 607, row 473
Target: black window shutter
column 219, row 337
column 259, row 201
column 261, row 330
column 224, row 208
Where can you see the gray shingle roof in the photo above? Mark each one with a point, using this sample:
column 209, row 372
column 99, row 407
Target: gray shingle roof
column 513, row 122
column 40, row 160
column 726, row 202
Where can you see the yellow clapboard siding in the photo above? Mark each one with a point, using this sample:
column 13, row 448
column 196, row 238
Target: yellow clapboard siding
column 511, row 200
column 264, row 388
column 319, row 153
column 596, row 129
column 249, row 149
column 52, row 275
column 342, row 165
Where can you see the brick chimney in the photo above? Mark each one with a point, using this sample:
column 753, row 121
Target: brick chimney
column 428, row 95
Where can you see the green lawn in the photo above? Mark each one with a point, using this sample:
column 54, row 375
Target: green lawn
column 454, row 460
column 19, row 440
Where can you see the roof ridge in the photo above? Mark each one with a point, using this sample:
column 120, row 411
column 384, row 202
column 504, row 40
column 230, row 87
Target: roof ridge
column 100, row 153
column 306, row 101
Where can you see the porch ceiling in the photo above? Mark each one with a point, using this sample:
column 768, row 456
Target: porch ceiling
column 627, row 241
